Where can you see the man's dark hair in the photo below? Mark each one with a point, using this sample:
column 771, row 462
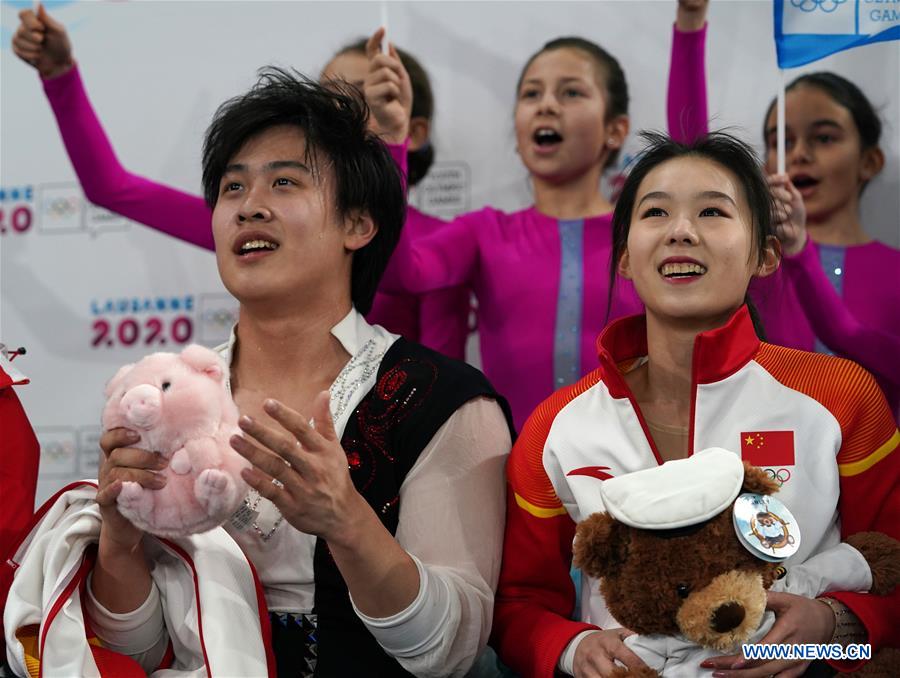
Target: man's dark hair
column 421, row 159
column 333, row 121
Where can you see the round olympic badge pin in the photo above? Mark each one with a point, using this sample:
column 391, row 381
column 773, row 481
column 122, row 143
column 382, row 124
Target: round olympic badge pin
column 765, row 527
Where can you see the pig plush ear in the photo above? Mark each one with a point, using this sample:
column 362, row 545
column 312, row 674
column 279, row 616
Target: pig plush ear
column 601, row 545
column 758, row 481
column 113, row 383
column 204, row 360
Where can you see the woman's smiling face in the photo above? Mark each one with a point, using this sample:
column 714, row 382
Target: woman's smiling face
column 690, row 249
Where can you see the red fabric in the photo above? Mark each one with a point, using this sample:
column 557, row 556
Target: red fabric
column 109, row 662
column 868, row 463
column 8, row 565
column 768, row 448
column 19, row 457
column 535, row 595
column 870, row 501
column 264, row 623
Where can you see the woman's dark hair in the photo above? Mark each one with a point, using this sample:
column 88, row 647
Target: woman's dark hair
column 612, row 74
column 720, row 147
column 421, row 159
column 333, row 121
column 846, row 94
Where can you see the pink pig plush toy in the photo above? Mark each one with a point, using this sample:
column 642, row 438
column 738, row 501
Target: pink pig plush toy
column 181, row 406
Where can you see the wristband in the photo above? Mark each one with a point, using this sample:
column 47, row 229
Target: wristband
column 847, row 626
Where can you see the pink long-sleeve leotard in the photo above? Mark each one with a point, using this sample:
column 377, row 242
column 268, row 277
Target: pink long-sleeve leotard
column 799, row 305
column 542, row 284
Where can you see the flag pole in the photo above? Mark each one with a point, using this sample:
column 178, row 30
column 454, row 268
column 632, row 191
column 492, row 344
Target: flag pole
column 780, row 116
column 384, row 24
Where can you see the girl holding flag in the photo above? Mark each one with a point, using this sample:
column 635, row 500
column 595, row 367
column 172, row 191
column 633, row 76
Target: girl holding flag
column 440, row 319
column 838, row 289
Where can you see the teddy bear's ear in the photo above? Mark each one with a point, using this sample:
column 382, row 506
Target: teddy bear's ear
column 204, row 360
column 600, row 545
column 113, row 383
column 757, row 481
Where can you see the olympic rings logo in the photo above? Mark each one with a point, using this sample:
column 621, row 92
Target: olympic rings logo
column 221, row 317
column 61, row 207
column 827, row 6
column 55, row 450
column 780, row 476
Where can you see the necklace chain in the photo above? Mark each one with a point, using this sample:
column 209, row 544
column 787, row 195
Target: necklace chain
column 355, row 373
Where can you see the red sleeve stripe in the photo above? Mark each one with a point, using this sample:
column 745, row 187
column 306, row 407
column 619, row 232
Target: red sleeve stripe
column 846, row 390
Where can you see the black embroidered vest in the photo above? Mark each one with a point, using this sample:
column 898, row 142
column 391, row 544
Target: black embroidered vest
column 416, row 391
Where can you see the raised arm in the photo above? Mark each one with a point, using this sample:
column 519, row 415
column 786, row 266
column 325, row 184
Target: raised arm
column 444, row 321
column 42, row 42
column 687, row 113
column 831, row 320
column 446, row 256
column 833, row 323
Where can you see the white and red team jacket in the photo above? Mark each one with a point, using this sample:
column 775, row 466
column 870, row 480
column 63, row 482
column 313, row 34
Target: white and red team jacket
column 213, row 603
column 832, row 442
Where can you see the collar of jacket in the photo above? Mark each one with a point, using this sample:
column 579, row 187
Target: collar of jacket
column 718, row 353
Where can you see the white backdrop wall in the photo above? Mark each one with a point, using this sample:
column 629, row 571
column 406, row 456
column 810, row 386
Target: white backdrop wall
column 86, row 291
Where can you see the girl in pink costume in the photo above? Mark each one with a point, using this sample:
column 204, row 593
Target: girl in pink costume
column 439, row 320
column 838, row 290
column 541, row 275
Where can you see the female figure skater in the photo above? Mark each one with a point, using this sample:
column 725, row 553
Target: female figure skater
column 692, row 227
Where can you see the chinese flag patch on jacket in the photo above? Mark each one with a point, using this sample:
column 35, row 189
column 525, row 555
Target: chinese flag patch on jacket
column 768, row 448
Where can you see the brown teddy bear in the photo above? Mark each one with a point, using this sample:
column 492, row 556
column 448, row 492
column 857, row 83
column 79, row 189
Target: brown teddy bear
column 694, row 590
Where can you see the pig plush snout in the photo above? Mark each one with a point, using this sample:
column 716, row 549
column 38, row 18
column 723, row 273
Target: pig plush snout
column 142, row 406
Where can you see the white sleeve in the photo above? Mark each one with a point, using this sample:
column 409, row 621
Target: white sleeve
column 655, row 649
column 452, row 516
column 141, row 634
column 839, row 568
column 567, row 659
column 651, row 649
